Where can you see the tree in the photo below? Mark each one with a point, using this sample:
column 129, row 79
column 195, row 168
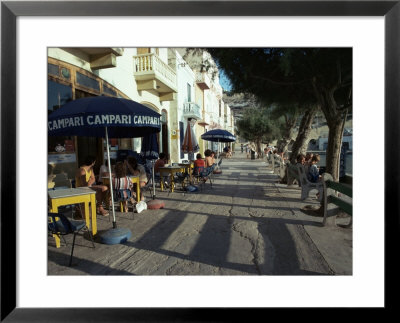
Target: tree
column 257, row 126
column 289, row 113
column 301, row 142
column 310, row 77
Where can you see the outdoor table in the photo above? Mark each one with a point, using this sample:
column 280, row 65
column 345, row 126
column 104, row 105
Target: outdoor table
column 172, row 170
column 188, row 169
column 70, row 196
column 134, row 179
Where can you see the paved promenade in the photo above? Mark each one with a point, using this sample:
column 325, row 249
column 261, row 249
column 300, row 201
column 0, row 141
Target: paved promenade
column 246, row 224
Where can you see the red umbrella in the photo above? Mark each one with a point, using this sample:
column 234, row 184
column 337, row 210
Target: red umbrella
column 190, row 144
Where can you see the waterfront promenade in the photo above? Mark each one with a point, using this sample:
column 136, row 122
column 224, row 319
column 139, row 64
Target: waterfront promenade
column 246, row 224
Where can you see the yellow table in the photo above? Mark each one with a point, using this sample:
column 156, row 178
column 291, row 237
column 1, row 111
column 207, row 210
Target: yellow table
column 134, row 179
column 188, row 169
column 172, row 170
column 74, row 196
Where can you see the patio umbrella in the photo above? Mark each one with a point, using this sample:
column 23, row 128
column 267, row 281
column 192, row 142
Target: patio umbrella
column 190, row 144
column 105, row 117
column 149, row 151
column 218, row 135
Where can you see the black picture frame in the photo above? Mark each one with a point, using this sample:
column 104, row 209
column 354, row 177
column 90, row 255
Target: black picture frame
column 10, row 10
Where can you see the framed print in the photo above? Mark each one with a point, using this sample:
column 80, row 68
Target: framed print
column 383, row 166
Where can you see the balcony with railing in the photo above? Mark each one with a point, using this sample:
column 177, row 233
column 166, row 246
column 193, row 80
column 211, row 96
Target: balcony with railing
column 102, row 57
column 205, row 120
column 191, row 110
column 203, row 81
column 151, row 73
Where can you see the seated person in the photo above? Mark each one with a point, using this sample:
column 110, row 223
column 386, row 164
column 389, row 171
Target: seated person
column 122, row 185
column 229, row 152
column 103, row 172
column 133, row 168
column 209, row 162
column 84, row 177
column 199, row 165
column 213, row 153
column 209, row 158
column 301, row 159
column 278, row 157
column 160, row 162
column 313, row 171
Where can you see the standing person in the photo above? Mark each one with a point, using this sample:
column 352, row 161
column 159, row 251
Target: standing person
column 241, row 148
column 84, row 177
column 253, row 151
column 247, row 151
column 133, row 168
column 122, row 186
column 266, row 151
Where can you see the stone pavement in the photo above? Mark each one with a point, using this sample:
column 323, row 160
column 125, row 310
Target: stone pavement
column 246, row 224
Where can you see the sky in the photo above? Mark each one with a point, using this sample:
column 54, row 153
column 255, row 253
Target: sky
column 224, row 81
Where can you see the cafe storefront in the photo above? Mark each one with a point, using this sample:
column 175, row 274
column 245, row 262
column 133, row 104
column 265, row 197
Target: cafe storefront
column 68, row 82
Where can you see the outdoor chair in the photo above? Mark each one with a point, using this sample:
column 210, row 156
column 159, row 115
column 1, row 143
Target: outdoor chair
column 307, row 186
column 181, row 179
column 206, row 175
column 197, row 171
column 60, row 225
column 149, row 184
column 121, row 196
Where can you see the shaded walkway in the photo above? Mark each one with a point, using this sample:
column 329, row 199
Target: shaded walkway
column 246, row 224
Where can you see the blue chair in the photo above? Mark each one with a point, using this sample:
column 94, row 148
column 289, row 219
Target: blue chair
column 197, row 171
column 59, row 224
column 204, row 173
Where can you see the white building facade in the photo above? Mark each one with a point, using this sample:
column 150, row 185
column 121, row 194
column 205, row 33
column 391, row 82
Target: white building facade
column 158, row 78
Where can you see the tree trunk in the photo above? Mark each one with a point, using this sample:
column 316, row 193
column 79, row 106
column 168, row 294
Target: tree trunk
column 334, row 118
column 283, row 143
column 334, row 146
column 258, row 147
column 301, row 143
